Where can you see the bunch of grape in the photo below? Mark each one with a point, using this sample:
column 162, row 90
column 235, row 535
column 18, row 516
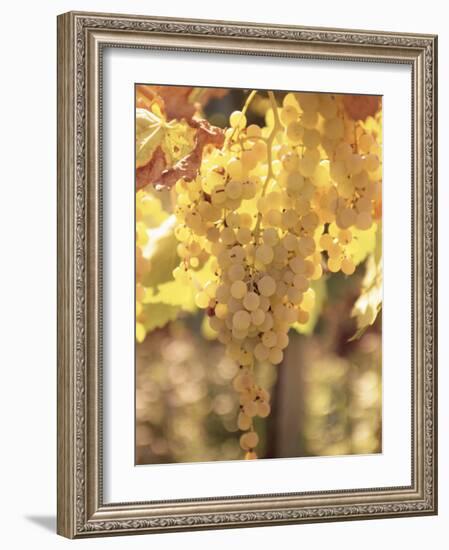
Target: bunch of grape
column 273, row 210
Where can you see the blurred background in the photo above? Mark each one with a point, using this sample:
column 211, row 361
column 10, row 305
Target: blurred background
column 326, row 395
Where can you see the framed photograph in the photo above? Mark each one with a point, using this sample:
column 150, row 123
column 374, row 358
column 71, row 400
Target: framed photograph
column 247, row 313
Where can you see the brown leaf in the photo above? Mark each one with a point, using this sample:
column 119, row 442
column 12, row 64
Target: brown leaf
column 178, row 102
column 152, row 171
column 360, row 107
column 188, row 166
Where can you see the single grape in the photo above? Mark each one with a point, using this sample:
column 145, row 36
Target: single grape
column 347, row 266
column 202, row 300
column 276, row 355
column 241, row 320
column 249, row 440
column 238, row 290
column 237, row 120
column 244, row 421
column 251, row 301
column 267, row 286
column 236, row 272
column 234, row 189
column 263, row 409
column 264, row 254
column 261, row 352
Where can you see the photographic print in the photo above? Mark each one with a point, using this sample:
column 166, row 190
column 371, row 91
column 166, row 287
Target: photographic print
column 258, row 274
column 238, row 344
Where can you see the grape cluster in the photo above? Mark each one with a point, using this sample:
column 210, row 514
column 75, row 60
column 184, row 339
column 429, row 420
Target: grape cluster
column 272, row 210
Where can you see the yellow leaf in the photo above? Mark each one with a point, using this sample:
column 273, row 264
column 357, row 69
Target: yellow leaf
column 150, row 131
column 369, row 303
column 202, row 276
column 362, row 244
column 171, row 293
column 158, row 315
column 161, row 251
column 176, row 138
column 179, row 140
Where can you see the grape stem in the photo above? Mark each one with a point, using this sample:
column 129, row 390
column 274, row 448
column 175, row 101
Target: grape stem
column 244, row 109
column 276, row 127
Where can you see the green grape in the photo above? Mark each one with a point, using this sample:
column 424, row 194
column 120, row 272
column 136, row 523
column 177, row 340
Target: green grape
column 272, row 218
column 354, row 164
column 347, row 266
column 290, row 241
column 300, row 282
column 269, row 339
column 238, row 290
column 257, row 317
column 309, row 119
column 263, row 409
column 264, row 254
column 295, row 132
column 237, row 120
column 241, row 320
column 251, row 301
column 334, row 264
column 282, row 340
column 202, row 300
column 328, row 106
column 266, row 286
column 308, row 101
column 364, row 220
column 288, row 114
column 311, row 138
column 270, row 237
column 222, row 293
column 244, row 235
column 221, row 311
column 234, row 189
column 253, row 131
column 236, row 272
column 334, row 128
column 276, row 355
column 250, row 407
column 244, row 421
column 371, row 162
column 261, row 352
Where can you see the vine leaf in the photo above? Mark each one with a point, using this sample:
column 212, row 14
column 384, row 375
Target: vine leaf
column 165, row 298
column 360, row 107
column 363, row 243
column 171, row 293
column 150, row 130
column 159, row 315
column 188, row 166
column 177, row 102
column 159, row 144
column 369, row 303
column 161, row 251
column 170, row 147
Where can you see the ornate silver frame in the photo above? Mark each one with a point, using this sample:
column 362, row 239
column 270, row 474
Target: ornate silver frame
column 81, row 39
